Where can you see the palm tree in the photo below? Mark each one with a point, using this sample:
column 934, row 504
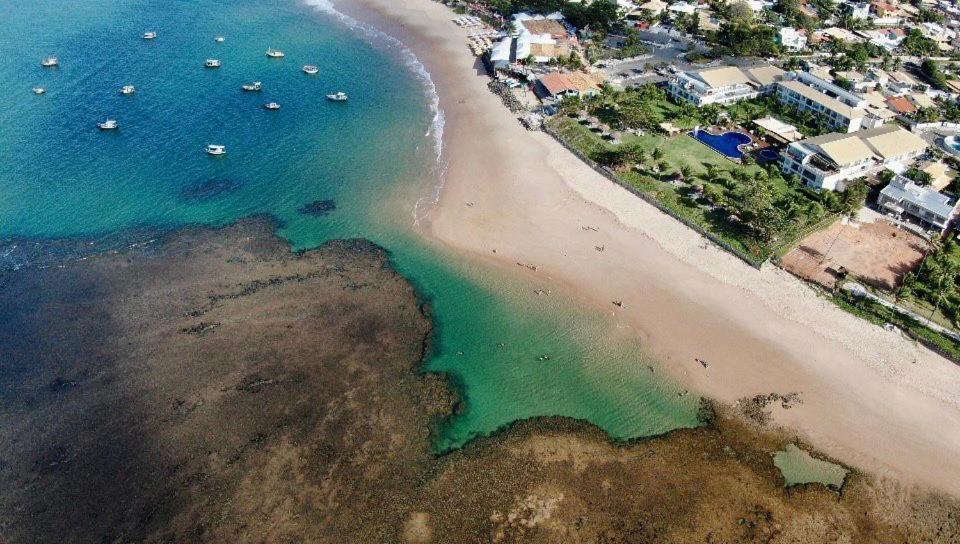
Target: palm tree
column 685, row 171
column 657, row 154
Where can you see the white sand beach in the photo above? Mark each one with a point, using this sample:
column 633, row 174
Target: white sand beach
column 870, row 397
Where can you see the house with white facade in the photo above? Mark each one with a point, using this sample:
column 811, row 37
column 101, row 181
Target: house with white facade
column 792, row 39
column 839, row 108
column 932, row 209
column 831, row 161
column 938, row 33
column 723, row 84
column 856, row 10
column 683, row 7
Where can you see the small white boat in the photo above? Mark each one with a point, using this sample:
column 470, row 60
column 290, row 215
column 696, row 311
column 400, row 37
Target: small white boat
column 128, row 90
column 252, row 87
column 218, row 39
column 338, row 97
column 216, row 150
column 50, row 62
column 39, row 90
column 311, row 69
column 212, row 63
column 109, row 124
column 272, row 106
column 149, row 35
column 275, row 53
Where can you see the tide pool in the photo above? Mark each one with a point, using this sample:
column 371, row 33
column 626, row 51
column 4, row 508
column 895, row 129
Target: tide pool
column 515, row 354
column 799, row 467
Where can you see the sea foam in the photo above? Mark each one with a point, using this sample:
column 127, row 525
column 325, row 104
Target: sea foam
column 409, row 59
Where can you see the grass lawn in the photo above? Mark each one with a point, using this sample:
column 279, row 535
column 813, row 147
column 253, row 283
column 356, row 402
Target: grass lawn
column 677, row 151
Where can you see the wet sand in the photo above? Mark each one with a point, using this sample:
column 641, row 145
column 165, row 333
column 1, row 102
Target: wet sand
column 871, row 398
column 212, row 386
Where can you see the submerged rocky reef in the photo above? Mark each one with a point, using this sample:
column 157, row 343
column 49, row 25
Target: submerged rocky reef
column 213, row 386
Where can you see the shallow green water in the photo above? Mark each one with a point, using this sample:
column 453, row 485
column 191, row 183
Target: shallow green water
column 799, row 467
column 375, row 156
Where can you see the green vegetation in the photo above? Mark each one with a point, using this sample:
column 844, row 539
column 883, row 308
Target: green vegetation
column 754, row 209
column 918, row 175
column 793, row 16
column 934, row 283
column 846, row 56
column 747, row 110
column 880, row 314
column 916, row 44
column 600, row 15
column 746, row 40
column 931, row 72
column 632, row 47
column 928, row 16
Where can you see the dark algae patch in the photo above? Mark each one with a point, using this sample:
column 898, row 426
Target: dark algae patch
column 318, row 208
column 219, row 388
column 210, row 189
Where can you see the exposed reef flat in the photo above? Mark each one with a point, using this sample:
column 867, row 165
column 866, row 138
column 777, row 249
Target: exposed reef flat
column 215, row 387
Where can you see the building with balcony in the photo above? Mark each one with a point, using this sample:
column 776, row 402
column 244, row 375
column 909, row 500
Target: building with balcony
column 928, row 207
column 723, row 85
column 831, row 161
column 839, row 108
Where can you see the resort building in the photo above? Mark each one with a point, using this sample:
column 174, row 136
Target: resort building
column 933, row 210
column 839, row 108
column 724, row 84
column 830, row 161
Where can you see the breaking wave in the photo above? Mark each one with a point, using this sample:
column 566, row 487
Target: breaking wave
column 409, row 59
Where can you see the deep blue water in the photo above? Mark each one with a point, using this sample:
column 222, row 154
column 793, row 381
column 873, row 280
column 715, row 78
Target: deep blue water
column 727, row 143
column 374, row 156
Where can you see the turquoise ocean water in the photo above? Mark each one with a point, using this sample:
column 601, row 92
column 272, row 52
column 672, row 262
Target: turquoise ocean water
column 375, row 156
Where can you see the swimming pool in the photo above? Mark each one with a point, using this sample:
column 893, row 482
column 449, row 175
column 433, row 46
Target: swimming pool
column 952, row 145
column 727, row 143
column 768, row 154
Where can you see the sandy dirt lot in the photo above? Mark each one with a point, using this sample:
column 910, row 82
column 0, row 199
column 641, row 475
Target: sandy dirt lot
column 876, row 252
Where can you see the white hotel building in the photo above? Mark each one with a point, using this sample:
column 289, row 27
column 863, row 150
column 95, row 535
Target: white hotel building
column 839, row 108
column 723, row 85
column 831, row 161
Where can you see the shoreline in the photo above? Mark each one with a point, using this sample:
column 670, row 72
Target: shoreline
column 225, row 324
column 870, row 398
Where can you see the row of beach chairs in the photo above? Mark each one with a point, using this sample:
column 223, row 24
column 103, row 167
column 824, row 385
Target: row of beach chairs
column 468, row 21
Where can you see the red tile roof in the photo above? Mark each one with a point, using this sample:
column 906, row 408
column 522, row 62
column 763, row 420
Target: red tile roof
column 900, row 104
